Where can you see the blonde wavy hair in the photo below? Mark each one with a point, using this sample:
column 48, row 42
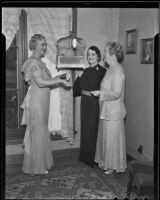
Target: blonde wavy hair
column 116, row 48
column 33, row 40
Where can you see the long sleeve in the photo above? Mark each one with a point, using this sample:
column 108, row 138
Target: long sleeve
column 90, row 80
column 76, row 87
column 115, row 91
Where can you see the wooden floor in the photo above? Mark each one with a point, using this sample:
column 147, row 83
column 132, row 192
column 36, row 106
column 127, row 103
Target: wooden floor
column 14, row 162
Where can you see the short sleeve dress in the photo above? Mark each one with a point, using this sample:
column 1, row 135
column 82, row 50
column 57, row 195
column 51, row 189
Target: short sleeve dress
column 37, row 145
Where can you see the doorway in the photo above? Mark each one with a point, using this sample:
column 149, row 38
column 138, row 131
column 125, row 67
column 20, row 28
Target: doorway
column 15, row 89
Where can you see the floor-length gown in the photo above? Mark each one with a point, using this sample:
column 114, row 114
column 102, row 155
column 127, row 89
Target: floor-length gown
column 37, row 145
column 111, row 146
column 89, row 81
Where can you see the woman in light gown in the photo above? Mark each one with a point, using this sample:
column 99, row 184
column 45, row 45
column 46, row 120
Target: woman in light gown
column 37, row 145
column 111, row 148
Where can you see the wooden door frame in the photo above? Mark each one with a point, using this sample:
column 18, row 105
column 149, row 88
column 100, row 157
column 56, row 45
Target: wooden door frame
column 22, row 55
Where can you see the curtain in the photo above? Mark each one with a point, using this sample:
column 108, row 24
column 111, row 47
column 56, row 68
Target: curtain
column 10, row 23
column 53, row 23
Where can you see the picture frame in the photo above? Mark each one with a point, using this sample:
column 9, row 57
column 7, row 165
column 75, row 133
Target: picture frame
column 131, row 41
column 146, row 51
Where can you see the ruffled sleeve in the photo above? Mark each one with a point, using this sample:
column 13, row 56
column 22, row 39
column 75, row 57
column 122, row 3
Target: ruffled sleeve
column 25, row 70
column 36, row 70
column 47, row 71
column 30, row 69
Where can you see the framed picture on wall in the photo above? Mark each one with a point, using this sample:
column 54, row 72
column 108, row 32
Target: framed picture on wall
column 146, row 51
column 131, row 41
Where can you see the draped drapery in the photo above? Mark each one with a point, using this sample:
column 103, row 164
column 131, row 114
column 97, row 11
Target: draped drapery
column 53, row 23
column 10, row 23
column 60, row 26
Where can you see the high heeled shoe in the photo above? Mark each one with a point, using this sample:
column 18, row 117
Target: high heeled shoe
column 109, row 171
column 46, row 172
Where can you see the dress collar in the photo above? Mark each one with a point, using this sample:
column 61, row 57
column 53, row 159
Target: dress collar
column 95, row 67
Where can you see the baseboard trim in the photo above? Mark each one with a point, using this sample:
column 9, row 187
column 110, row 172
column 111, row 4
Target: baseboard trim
column 136, row 155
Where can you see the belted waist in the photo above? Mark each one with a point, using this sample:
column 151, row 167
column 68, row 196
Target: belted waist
column 86, row 93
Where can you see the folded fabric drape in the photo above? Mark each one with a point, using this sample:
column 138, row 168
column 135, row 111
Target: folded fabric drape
column 10, row 23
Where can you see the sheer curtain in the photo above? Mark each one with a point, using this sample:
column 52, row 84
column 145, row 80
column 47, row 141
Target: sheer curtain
column 10, row 23
column 53, row 23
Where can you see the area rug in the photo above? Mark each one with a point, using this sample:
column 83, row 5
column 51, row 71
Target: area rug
column 75, row 180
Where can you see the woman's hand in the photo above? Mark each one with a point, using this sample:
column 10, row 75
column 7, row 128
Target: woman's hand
column 95, row 93
column 66, row 83
column 65, row 76
column 62, row 76
column 56, row 78
column 68, row 77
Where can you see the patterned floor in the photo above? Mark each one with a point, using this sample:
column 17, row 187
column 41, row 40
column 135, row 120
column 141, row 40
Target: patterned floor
column 72, row 180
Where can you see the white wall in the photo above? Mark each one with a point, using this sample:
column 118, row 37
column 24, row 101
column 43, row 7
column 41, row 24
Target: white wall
column 92, row 26
column 139, row 94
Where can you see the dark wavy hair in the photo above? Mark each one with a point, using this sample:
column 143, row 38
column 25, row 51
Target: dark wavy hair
column 33, row 40
column 96, row 49
column 116, row 48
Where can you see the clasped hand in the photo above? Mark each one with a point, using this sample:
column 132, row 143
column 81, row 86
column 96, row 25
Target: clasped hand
column 66, row 77
column 65, row 80
column 67, row 83
column 95, row 93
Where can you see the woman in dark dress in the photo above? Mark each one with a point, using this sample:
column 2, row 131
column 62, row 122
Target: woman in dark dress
column 89, row 81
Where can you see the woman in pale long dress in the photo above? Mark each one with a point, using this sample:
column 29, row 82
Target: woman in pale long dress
column 111, row 148
column 37, row 145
